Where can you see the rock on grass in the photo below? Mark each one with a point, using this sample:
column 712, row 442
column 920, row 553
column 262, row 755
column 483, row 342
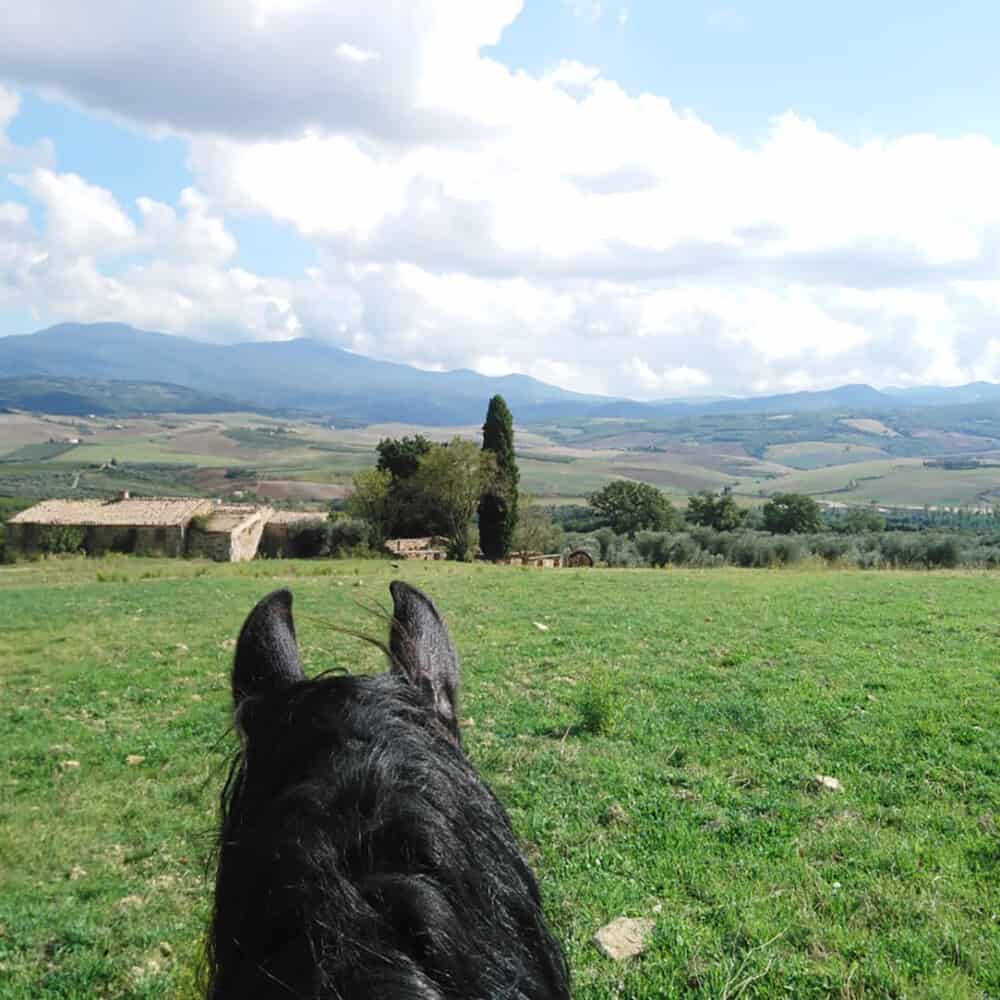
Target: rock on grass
column 625, row 937
column 824, row 783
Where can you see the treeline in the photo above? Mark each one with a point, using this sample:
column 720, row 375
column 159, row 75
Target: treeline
column 705, row 547
column 632, row 524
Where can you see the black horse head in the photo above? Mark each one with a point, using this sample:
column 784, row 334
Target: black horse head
column 360, row 854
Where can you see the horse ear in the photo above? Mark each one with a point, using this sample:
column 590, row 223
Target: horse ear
column 267, row 657
column 422, row 650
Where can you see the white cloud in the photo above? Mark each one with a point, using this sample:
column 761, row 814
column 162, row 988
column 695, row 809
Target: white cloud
column 468, row 215
column 254, row 67
column 81, row 218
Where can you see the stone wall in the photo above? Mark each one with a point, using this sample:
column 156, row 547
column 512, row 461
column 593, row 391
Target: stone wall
column 540, row 562
column 236, row 545
column 26, row 539
column 246, row 540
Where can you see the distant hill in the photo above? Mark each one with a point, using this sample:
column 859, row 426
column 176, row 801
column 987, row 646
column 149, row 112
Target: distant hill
column 308, row 377
column 299, row 376
column 106, row 397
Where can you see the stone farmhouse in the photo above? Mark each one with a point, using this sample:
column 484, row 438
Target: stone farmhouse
column 154, row 526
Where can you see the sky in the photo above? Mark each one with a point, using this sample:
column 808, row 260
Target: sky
column 644, row 198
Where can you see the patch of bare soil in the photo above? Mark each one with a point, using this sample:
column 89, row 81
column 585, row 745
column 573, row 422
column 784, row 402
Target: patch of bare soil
column 295, row 489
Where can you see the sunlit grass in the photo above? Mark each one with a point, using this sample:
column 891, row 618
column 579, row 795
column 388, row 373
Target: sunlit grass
column 687, row 793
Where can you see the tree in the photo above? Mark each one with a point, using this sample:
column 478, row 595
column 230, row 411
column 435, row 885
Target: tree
column 859, row 520
column 401, row 456
column 792, row 514
column 718, row 512
column 535, row 532
column 498, row 507
column 411, row 514
column 630, row 507
column 374, row 502
column 452, row 478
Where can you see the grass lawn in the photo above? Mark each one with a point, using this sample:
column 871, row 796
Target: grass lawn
column 656, row 748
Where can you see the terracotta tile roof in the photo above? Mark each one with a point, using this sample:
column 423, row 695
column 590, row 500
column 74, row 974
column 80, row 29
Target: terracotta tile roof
column 229, row 517
column 137, row 512
column 295, row 516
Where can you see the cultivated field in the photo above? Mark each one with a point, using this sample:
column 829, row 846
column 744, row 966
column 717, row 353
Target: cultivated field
column 853, row 460
column 655, row 745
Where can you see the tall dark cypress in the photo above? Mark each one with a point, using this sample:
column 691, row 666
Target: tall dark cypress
column 498, row 506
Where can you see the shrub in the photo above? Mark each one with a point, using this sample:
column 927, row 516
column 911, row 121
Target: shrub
column 943, row 552
column 623, row 554
column 600, row 705
column 787, row 551
column 654, row 547
column 57, row 539
column 348, row 535
column 606, row 538
column 308, row 540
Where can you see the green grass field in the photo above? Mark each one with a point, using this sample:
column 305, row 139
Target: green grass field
column 656, row 748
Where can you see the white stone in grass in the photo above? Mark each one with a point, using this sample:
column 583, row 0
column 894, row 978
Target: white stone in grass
column 541, row 627
column 625, row 937
column 827, row 784
column 134, row 759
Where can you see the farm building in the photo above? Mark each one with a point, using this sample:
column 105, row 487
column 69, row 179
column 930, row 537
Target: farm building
column 430, row 549
column 146, row 526
column 553, row 561
column 154, row 527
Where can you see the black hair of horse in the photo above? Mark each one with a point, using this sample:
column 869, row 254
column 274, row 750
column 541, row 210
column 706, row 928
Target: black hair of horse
column 360, row 854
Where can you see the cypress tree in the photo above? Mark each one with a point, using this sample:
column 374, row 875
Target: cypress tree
column 498, row 506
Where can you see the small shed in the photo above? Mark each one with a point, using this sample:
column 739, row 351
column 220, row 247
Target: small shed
column 579, row 557
column 553, row 561
column 429, row 549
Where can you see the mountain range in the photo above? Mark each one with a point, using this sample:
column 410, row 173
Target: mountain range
column 81, row 368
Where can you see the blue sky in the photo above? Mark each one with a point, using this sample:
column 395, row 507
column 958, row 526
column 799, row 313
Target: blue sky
column 644, row 197
column 858, row 68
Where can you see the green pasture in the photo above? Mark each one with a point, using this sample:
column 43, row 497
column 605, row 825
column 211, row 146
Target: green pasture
column 656, row 745
column 820, row 454
column 903, row 482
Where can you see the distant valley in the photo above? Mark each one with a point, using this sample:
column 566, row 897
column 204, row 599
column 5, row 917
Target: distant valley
column 92, row 408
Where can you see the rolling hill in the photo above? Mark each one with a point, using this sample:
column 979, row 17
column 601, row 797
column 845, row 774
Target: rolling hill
column 310, row 378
